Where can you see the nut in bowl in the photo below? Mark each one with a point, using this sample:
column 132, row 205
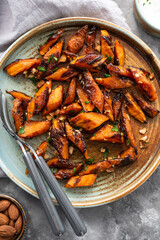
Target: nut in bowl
column 12, row 218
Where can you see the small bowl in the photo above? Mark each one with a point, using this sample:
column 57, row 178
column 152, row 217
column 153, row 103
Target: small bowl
column 21, row 209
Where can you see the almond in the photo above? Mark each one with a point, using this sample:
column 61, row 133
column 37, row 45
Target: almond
column 11, row 223
column 6, row 213
column 4, row 220
column 13, row 212
column 4, row 204
column 7, row 231
column 18, row 224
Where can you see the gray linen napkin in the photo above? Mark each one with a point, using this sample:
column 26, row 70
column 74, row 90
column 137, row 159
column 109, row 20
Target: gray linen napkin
column 19, row 16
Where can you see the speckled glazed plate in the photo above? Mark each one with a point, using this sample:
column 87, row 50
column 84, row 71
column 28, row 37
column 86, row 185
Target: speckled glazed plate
column 109, row 186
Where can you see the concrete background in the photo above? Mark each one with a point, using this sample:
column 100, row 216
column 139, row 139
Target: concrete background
column 135, row 217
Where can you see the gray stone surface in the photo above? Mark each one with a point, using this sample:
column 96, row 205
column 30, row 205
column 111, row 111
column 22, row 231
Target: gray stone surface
column 135, row 217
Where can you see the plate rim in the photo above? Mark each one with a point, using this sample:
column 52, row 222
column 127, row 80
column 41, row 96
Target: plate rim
column 153, row 59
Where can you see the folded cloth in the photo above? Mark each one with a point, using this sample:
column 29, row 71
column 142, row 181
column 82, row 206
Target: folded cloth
column 19, row 16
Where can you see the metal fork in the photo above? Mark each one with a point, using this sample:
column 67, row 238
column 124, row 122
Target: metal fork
column 50, row 210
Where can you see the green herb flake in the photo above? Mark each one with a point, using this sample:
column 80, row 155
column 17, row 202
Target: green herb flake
column 83, row 161
column 55, row 69
column 106, row 153
column 85, row 168
column 128, row 141
column 42, row 69
column 38, row 107
column 82, row 111
column 56, row 59
column 72, row 111
column 106, row 75
column 152, row 69
column 149, row 2
column 143, row 4
column 49, row 59
column 49, row 140
column 30, row 113
column 36, row 89
column 90, row 160
column 53, row 170
column 74, row 169
column 40, row 45
column 21, row 130
column 108, row 58
column 147, row 142
column 86, row 102
column 115, row 128
column 113, row 157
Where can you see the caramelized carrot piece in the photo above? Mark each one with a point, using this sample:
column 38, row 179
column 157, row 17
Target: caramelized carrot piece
column 89, row 61
column 62, row 74
column 85, row 102
column 21, row 65
column 119, row 53
column 71, row 92
column 76, row 137
column 90, row 40
column 117, row 103
column 70, row 56
column 77, row 41
column 108, row 110
column 148, row 109
column 45, row 47
column 67, row 172
column 89, row 121
column 34, row 128
column 107, row 134
column 38, row 101
column 71, row 109
column 115, row 82
column 120, row 70
column 59, row 139
column 128, row 156
column 100, row 166
column 81, row 181
column 55, row 51
column 126, row 128
column 21, row 96
column 60, row 163
column 41, row 150
column 18, row 113
column 93, row 91
column 133, row 108
column 144, row 84
column 106, row 42
column 54, row 100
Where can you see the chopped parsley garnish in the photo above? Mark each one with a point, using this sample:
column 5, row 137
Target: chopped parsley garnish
column 33, row 79
column 82, row 111
column 53, row 170
column 106, row 153
column 83, row 161
column 113, row 157
column 55, row 69
column 152, row 69
column 86, row 168
column 128, row 141
column 72, row 111
column 30, row 113
column 106, row 75
column 147, row 142
column 42, row 69
column 115, row 128
column 49, row 140
column 108, row 58
column 74, row 169
column 39, row 107
column 40, row 45
column 21, row 130
column 90, row 160
column 53, row 58
column 86, row 102
column 36, row 89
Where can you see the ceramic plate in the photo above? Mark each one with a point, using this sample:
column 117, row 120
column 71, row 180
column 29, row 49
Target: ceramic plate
column 109, row 186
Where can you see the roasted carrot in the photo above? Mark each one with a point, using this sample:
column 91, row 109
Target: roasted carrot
column 62, row 74
column 60, row 163
column 45, row 47
column 71, row 109
column 76, row 137
column 71, row 92
column 117, row 103
column 119, row 53
column 67, row 172
column 77, row 41
column 128, row 156
column 21, row 96
column 107, row 134
column 90, row 41
column 85, row 102
column 54, row 100
column 89, row 121
column 133, row 108
column 18, row 113
column 106, row 42
column 115, row 82
column 108, row 110
column 81, row 181
column 59, row 139
column 123, row 71
column 144, row 84
column 34, row 128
